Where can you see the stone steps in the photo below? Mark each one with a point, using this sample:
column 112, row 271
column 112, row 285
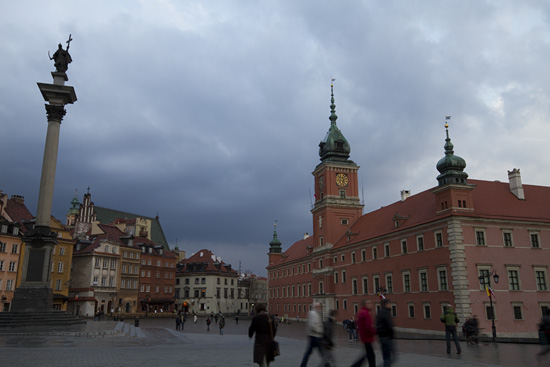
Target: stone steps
column 31, row 319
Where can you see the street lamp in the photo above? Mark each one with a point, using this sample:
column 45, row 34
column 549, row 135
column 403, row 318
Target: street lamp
column 485, row 280
column 381, row 292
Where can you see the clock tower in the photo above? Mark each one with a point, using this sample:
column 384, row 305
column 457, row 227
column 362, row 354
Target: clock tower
column 337, row 204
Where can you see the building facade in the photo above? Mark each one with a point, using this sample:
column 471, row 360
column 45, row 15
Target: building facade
column 205, row 285
column 440, row 247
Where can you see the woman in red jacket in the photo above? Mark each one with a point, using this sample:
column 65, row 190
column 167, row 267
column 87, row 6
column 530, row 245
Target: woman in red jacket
column 366, row 334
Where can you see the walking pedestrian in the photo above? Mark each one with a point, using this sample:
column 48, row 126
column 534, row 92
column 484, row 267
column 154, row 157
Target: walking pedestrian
column 221, row 325
column 314, row 331
column 195, row 319
column 351, row 326
column 366, row 334
column 263, row 326
column 384, row 329
column 208, row 322
column 545, row 327
column 328, row 344
column 178, row 322
column 450, row 319
column 237, row 319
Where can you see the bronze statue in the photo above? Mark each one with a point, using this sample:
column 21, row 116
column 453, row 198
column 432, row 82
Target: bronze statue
column 61, row 57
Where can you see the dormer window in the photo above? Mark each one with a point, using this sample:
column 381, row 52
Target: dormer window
column 4, row 228
column 15, row 231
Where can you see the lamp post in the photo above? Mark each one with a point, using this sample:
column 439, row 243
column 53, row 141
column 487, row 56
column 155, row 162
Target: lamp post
column 485, row 280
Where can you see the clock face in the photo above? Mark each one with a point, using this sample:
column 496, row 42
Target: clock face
column 342, row 179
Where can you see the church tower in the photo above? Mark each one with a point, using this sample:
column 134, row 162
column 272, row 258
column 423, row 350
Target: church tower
column 337, row 204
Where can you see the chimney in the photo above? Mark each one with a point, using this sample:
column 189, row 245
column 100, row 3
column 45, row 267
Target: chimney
column 19, row 199
column 306, row 235
column 405, row 194
column 514, row 177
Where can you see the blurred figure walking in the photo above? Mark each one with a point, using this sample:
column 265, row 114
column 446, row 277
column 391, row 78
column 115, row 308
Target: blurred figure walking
column 384, row 329
column 366, row 334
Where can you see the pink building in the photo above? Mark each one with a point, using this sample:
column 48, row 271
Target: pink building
column 423, row 252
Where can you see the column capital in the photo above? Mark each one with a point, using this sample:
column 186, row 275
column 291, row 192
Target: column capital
column 55, row 113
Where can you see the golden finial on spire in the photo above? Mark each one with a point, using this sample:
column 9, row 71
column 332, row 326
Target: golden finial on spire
column 446, row 119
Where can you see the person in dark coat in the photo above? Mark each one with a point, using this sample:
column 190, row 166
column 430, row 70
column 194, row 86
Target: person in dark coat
column 328, row 343
column 384, row 329
column 263, row 326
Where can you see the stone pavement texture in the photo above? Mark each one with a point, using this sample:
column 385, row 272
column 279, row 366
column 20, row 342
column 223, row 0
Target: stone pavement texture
column 156, row 343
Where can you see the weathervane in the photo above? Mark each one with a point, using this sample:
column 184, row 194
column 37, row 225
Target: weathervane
column 446, row 119
column 61, row 57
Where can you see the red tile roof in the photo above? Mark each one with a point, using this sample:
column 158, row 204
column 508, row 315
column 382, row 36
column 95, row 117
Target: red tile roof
column 492, row 200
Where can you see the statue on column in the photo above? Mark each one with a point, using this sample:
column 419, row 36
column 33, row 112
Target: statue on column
column 61, row 57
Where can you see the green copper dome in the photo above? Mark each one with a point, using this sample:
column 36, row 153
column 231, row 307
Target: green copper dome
column 451, row 167
column 75, row 205
column 275, row 244
column 334, row 147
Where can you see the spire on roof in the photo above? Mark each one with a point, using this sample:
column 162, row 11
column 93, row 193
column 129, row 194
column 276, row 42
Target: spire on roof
column 334, row 147
column 275, row 244
column 451, row 167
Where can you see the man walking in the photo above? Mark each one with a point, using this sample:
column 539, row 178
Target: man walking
column 384, row 329
column 314, row 331
column 450, row 319
column 366, row 334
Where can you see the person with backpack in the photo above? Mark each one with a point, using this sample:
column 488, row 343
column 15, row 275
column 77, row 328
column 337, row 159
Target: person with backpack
column 352, row 327
column 450, row 319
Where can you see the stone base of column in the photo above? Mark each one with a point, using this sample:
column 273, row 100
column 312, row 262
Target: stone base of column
column 32, row 299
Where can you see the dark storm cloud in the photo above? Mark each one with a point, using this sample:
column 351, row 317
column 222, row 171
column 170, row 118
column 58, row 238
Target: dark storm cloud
column 210, row 114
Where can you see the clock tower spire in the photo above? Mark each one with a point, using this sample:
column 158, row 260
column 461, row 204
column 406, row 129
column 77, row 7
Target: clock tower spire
column 337, row 204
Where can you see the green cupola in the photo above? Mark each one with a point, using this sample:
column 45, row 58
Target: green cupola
column 451, row 167
column 334, row 147
column 275, row 244
column 75, row 205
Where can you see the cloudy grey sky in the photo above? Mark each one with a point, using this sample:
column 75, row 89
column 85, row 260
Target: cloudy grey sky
column 210, row 113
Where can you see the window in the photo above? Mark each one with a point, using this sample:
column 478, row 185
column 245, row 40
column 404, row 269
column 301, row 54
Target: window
column 344, row 221
column 535, row 240
column 406, row 283
column 354, row 286
column 404, row 246
column 12, row 266
column 376, row 283
column 58, row 284
column 389, row 283
column 438, row 239
column 9, row 284
column 540, row 276
column 103, row 281
column 411, row 310
column 443, row 286
column 95, row 280
column 113, row 263
column 335, row 277
column 420, row 243
column 342, row 194
column 2, row 246
column 374, row 253
column 518, row 315
column 480, row 238
column 343, row 258
column 105, row 263
column 513, row 279
column 197, row 280
column 427, row 311
column 345, row 304
column 60, row 267
column 353, row 257
column 394, row 310
column 321, row 241
column 343, row 276
column 423, row 281
column 203, row 280
column 387, row 250
column 14, row 248
column 365, row 285
column 321, row 288
column 363, row 255
column 507, row 238
column 97, row 262
column 123, row 283
column 1, row 265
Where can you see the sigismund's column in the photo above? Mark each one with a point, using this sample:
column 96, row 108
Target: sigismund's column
column 34, row 293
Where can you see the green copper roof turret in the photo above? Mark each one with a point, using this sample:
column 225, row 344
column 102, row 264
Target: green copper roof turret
column 451, row 167
column 75, row 205
column 275, row 244
column 334, row 147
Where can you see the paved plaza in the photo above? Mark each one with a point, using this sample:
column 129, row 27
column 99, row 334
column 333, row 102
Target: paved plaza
column 156, row 343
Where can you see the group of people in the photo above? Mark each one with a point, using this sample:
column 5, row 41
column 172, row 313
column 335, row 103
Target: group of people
column 320, row 334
